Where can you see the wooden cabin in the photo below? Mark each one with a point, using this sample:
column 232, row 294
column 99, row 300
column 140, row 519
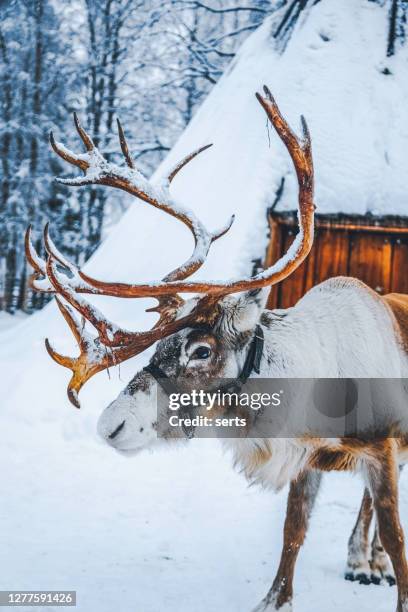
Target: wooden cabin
column 371, row 248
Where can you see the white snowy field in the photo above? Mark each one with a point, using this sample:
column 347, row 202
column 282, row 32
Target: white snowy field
column 178, row 530
column 174, row 531
column 7, row 321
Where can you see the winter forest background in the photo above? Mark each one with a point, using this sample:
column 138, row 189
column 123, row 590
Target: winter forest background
column 151, row 62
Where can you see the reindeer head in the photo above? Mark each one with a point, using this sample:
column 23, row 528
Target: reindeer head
column 196, row 357
column 201, row 339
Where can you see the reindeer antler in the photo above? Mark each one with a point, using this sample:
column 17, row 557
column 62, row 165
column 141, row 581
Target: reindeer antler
column 98, row 171
column 112, row 345
column 301, row 154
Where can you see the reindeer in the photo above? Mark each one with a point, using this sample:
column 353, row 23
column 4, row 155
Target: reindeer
column 340, row 328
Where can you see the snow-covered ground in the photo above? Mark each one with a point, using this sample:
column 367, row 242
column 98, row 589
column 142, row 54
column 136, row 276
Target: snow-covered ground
column 179, row 531
column 174, row 531
column 7, row 321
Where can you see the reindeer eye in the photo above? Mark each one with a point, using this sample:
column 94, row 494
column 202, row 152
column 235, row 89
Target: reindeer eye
column 201, row 352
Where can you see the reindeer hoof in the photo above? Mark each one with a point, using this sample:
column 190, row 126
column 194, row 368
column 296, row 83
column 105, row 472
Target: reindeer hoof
column 378, row 577
column 381, row 570
column 360, row 577
column 391, row 580
column 365, row 578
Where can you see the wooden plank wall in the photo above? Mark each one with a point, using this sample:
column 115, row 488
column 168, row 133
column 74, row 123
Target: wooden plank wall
column 371, row 249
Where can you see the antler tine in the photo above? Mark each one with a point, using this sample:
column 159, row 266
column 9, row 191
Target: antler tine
column 35, row 261
column 92, row 358
column 223, row 230
column 307, row 140
column 38, row 264
column 77, row 327
column 185, row 161
column 84, row 136
column 67, row 155
column 301, row 154
column 167, row 307
column 80, row 161
column 54, row 252
column 124, row 145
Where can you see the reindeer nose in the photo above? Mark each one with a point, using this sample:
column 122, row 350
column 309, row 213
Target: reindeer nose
column 116, row 431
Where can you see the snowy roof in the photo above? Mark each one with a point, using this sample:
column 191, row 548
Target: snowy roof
column 335, row 72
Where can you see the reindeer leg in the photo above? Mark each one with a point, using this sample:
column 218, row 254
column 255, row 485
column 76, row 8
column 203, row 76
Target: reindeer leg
column 380, row 563
column 301, row 498
column 382, row 472
column 358, row 565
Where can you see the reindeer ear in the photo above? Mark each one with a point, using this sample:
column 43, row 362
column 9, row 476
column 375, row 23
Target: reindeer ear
column 242, row 313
